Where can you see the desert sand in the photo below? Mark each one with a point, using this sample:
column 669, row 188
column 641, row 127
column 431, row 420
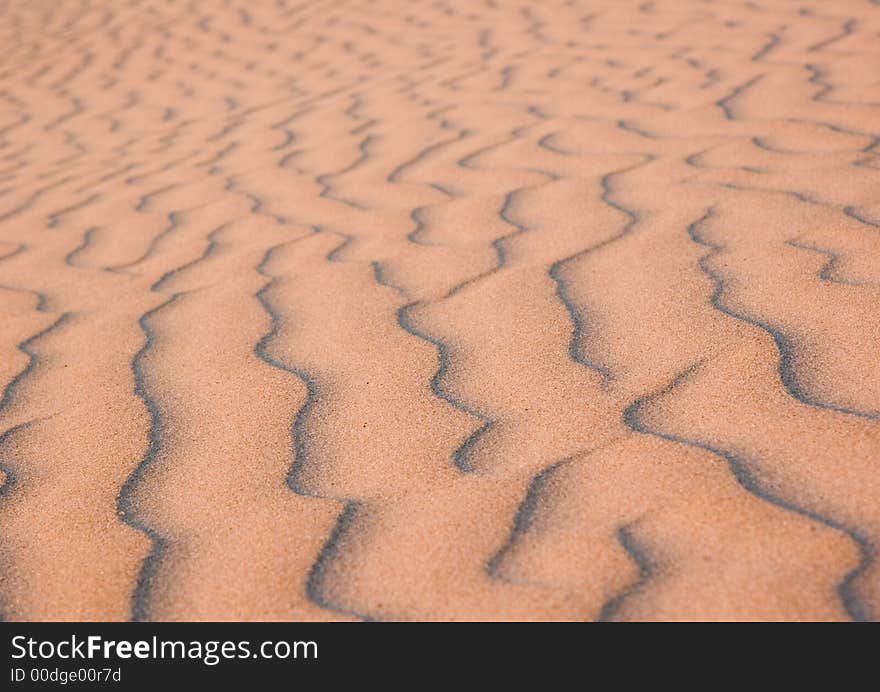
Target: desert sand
column 454, row 310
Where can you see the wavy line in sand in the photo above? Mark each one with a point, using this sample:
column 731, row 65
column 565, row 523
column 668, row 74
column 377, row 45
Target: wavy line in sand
column 126, row 508
column 315, row 581
column 739, row 468
column 784, row 345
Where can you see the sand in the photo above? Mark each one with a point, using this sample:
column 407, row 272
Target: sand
column 450, row 310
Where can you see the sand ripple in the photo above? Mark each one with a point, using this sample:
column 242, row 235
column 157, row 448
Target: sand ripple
column 452, row 310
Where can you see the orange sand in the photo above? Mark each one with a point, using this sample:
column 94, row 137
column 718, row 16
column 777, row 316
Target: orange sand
column 440, row 310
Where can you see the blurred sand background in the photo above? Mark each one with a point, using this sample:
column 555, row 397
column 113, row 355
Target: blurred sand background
column 440, row 310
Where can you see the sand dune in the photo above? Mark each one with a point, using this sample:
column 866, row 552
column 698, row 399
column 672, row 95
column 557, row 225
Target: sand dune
column 442, row 310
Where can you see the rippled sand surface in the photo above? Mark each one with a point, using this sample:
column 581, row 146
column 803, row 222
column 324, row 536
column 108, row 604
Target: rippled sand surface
column 440, row 310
